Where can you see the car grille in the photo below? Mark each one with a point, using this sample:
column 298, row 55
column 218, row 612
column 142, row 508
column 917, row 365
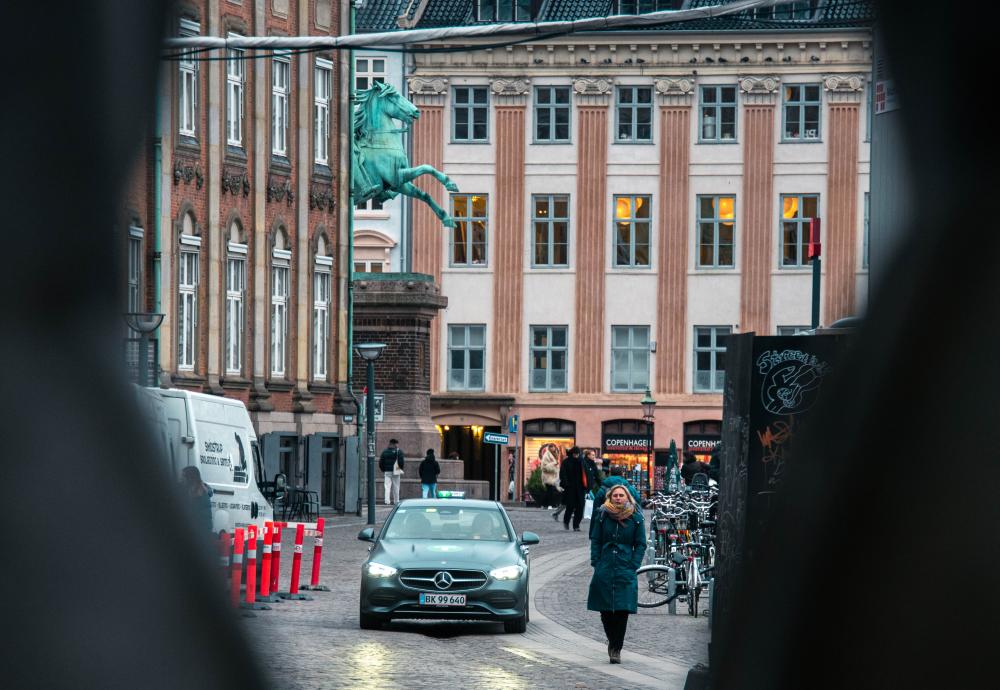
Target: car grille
column 461, row 580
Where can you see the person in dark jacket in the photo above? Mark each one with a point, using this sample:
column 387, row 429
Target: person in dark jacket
column 617, row 478
column 691, row 467
column 200, row 495
column 617, row 547
column 594, row 474
column 429, row 471
column 575, row 485
column 391, row 463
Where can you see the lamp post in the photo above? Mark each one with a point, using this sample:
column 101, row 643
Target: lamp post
column 370, row 352
column 143, row 323
column 648, row 411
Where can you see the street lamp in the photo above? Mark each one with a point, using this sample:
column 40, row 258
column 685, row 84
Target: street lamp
column 370, row 352
column 648, row 411
column 143, row 323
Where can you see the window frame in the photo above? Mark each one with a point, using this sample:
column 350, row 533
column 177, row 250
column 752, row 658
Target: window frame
column 371, row 76
column 470, row 106
column 631, row 349
column 718, row 106
column 637, row 8
column 322, row 274
column 281, row 64
column 493, row 15
column 549, row 222
column 280, row 264
column 187, row 83
column 548, row 349
column 801, row 104
column 188, row 281
column 235, row 308
column 789, row 330
column 552, row 106
column 713, row 349
column 466, row 220
column 716, row 221
column 467, row 348
column 134, row 272
column 235, row 94
column 322, row 74
column 632, row 221
column 802, row 225
column 634, row 107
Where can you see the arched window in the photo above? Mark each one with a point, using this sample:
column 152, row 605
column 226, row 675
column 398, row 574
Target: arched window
column 236, row 286
column 281, row 260
column 371, row 251
column 321, row 308
column 188, row 272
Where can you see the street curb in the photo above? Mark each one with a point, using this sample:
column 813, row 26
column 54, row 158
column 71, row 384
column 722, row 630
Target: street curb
column 550, row 639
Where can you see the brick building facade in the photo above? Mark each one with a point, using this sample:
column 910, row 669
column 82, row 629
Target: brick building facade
column 234, row 227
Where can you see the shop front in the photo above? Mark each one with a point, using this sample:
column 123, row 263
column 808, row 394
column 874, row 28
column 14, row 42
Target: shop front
column 544, row 436
column 701, row 438
column 629, row 443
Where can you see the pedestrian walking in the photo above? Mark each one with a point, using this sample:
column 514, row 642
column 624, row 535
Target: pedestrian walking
column 594, row 474
column 200, row 496
column 511, row 469
column 617, row 547
column 391, row 463
column 429, row 470
column 550, row 477
column 575, row 485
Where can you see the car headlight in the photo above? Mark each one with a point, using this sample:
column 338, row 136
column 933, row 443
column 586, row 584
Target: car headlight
column 510, row 572
column 379, row 570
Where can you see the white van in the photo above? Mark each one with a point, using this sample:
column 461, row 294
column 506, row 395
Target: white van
column 215, row 435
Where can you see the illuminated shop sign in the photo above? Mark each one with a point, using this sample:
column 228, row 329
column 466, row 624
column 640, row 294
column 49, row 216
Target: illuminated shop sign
column 620, row 443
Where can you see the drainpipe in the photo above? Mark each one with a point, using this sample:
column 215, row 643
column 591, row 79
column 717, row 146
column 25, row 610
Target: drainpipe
column 157, row 206
column 350, row 252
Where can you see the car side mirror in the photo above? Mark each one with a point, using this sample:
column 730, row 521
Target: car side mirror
column 367, row 534
column 528, row 538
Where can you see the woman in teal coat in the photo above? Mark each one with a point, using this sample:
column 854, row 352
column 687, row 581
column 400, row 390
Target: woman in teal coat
column 617, row 546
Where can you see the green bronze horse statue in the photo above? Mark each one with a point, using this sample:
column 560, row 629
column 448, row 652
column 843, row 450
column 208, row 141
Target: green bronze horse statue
column 379, row 168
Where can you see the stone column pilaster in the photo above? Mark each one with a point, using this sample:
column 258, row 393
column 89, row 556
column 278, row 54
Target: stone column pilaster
column 676, row 97
column 760, row 98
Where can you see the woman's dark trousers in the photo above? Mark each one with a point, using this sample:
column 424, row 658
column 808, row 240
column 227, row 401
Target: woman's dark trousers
column 615, row 623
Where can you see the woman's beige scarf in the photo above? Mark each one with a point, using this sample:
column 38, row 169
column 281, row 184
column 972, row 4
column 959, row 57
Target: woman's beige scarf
column 620, row 513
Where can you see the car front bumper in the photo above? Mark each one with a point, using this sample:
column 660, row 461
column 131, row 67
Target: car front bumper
column 496, row 600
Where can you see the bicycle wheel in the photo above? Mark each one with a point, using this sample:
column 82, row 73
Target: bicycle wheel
column 653, row 581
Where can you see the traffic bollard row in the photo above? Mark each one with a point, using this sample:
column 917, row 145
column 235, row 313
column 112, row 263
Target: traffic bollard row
column 241, row 547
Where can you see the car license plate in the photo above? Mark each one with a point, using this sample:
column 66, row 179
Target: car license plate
column 442, row 599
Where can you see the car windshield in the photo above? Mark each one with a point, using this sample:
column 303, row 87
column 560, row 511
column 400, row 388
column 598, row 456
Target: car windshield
column 451, row 523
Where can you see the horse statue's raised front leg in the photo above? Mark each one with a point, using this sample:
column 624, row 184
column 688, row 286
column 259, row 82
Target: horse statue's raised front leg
column 410, row 189
column 410, row 174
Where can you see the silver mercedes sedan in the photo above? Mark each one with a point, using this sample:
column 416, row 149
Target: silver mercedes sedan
column 446, row 559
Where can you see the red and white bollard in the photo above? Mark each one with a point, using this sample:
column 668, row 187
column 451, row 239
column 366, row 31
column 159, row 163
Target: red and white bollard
column 237, row 567
column 293, row 591
column 314, row 584
column 251, row 588
column 266, row 593
column 275, row 558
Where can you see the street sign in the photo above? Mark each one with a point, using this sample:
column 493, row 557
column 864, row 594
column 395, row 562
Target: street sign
column 512, row 423
column 498, row 439
column 379, row 406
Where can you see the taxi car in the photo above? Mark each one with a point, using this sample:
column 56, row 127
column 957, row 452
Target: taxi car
column 446, row 559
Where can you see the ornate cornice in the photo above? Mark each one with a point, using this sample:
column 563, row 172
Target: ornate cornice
column 675, row 91
column 511, row 91
column 234, row 181
column 593, row 90
column 760, row 90
column 844, row 88
column 280, row 189
column 188, row 170
column 321, row 197
column 427, row 91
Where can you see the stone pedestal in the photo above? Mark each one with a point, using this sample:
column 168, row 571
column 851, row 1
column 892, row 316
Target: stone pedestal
column 397, row 309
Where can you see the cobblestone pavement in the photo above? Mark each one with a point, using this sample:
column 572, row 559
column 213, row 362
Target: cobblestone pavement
column 318, row 644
